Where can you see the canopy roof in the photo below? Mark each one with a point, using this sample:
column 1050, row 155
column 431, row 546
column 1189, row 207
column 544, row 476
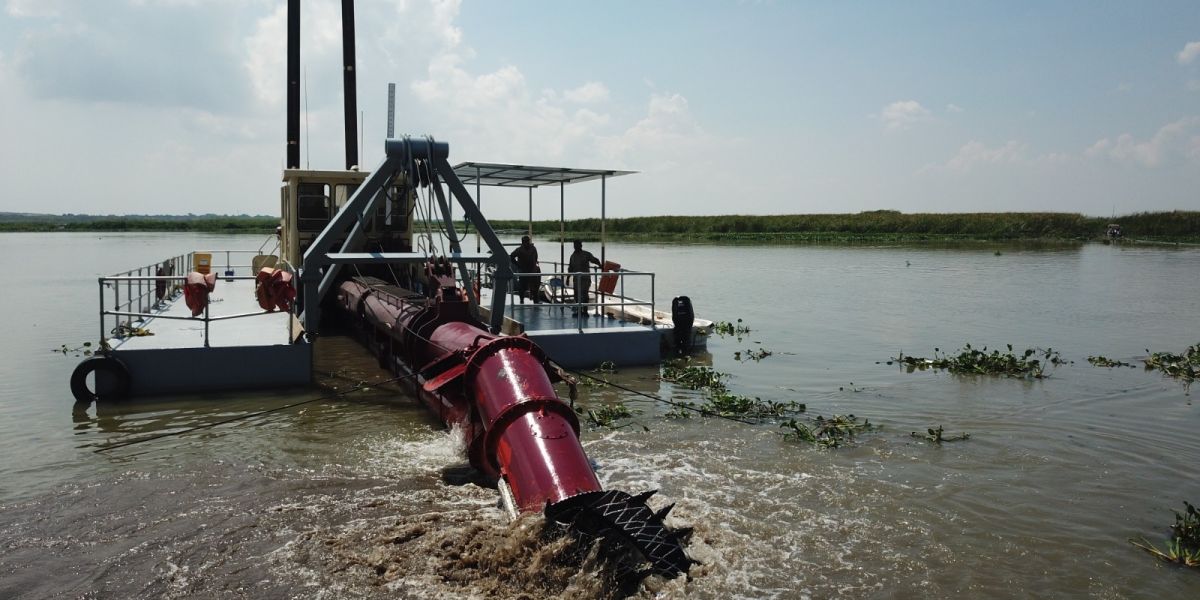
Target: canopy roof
column 526, row 176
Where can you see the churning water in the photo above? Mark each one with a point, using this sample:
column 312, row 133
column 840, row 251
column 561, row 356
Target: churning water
column 367, row 496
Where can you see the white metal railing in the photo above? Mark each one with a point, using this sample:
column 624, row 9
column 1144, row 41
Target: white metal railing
column 563, row 294
column 143, row 302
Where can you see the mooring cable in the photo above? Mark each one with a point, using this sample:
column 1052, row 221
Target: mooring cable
column 251, row 415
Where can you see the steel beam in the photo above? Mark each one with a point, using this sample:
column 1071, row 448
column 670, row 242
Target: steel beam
column 313, row 283
column 504, row 272
column 455, row 247
column 400, row 257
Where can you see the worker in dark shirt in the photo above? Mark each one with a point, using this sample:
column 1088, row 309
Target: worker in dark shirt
column 579, row 263
column 526, row 259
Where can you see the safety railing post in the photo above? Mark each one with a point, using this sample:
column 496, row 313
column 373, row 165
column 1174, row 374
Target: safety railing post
column 205, row 324
column 117, row 306
column 580, row 309
column 622, row 276
column 101, row 282
column 129, row 299
column 653, row 313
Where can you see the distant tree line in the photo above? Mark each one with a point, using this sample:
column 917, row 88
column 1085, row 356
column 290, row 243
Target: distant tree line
column 1179, row 226
column 195, row 223
column 883, row 224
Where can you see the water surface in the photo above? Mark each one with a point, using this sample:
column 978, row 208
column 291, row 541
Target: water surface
column 365, row 496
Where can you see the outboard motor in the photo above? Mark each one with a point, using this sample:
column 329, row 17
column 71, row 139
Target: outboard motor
column 683, row 316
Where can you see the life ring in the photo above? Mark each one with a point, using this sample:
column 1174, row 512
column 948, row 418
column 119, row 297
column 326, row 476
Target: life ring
column 108, row 364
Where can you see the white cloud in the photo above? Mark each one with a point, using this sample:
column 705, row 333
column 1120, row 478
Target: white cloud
column 132, row 54
column 499, row 115
column 902, row 114
column 502, row 118
column 954, row 108
column 1172, row 140
column 660, row 140
column 1193, row 85
column 33, row 8
column 975, row 153
column 1098, row 149
column 263, row 63
column 588, row 93
column 1189, row 53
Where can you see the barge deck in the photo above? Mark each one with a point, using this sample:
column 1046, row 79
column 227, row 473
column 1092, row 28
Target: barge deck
column 233, row 345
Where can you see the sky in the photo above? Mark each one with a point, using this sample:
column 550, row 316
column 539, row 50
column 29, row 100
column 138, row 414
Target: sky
column 733, row 107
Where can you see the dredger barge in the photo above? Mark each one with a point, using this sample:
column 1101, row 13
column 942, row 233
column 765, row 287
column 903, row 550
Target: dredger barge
column 444, row 320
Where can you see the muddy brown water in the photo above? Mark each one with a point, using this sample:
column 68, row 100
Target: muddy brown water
column 366, row 496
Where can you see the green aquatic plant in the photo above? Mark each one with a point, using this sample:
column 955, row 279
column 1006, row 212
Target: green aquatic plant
column 607, row 366
column 681, row 410
column 938, row 436
column 725, row 328
column 1184, row 366
column 1104, row 361
column 972, row 361
column 833, row 432
column 693, row 377
column 718, row 400
column 725, row 404
column 592, row 382
column 751, row 354
column 1183, row 548
column 607, row 415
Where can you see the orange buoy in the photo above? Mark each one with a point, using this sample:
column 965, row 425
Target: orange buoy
column 608, row 283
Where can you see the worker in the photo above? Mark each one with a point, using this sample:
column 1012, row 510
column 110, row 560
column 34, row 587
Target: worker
column 526, row 259
column 579, row 264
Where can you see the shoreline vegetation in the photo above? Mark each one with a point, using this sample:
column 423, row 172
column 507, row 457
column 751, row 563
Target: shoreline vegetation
column 881, row 226
column 886, row 226
column 25, row 222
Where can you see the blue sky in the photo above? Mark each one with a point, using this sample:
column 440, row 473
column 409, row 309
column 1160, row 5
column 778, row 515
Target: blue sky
column 175, row 106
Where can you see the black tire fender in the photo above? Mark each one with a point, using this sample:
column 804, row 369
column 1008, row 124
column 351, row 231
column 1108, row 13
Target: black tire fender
column 108, row 364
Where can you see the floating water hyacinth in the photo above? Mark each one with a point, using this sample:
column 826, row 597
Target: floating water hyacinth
column 751, row 354
column 607, row 415
column 1183, row 548
column 718, row 400
column 725, row 328
column 833, row 432
column 971, row 361
column 693, row 377
column 1184, row 366
column 1104, row 361
column 938, row 435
